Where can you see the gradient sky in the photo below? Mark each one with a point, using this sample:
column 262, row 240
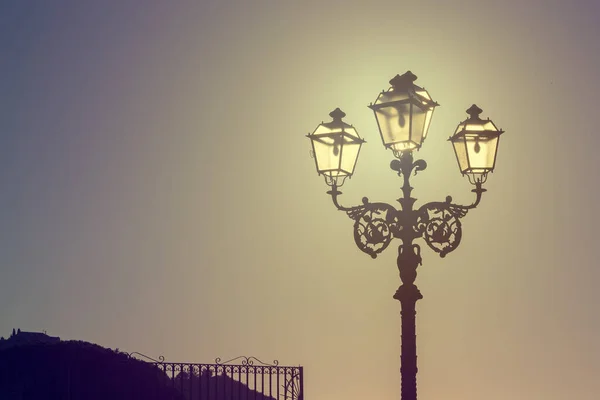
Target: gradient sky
column 158, row 194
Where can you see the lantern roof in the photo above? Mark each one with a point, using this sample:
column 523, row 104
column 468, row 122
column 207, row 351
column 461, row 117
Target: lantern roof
column 475, row 125
column 402, row 90
column 337, row 126
column 404, row 81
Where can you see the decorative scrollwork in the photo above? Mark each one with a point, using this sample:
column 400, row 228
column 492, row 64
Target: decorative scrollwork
column 246, row 361
column 419, row 165
column 356, row 212
column 374, row 226
column 160, row 360
column 292, row 388
column 405, row 164
column 439, row 224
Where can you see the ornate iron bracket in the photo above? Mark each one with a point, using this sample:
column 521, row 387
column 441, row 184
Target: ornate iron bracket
column 376, row 224
column 439, row 222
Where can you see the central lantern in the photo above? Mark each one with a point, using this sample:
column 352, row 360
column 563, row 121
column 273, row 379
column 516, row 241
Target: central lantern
column 403, row 114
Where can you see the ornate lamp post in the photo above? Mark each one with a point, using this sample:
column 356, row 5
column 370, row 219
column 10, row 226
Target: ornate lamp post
column 403, row 115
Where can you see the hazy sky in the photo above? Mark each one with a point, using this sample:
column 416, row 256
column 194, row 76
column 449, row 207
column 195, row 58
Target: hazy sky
column 158, row 194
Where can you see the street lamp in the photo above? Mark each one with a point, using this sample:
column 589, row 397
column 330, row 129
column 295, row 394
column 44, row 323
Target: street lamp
column 403, row 115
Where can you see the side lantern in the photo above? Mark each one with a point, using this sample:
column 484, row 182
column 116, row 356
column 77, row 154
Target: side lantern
column 475, row 144
column 335, row 146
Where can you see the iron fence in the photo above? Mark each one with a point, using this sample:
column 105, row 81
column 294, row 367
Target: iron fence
column 242, row 378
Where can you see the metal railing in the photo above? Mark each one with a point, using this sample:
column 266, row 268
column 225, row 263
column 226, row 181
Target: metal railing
column 241, row 378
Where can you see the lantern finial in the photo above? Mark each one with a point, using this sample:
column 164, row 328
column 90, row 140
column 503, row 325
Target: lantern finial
column 474, row 112
column 337, row 115
column 403, row 81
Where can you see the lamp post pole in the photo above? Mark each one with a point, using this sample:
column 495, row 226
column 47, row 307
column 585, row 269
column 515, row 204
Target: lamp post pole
column 407, row 294
column 400, row 109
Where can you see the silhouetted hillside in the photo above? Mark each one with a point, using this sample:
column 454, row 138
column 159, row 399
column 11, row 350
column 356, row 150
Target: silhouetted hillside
column 219, row 387
column 76, row 370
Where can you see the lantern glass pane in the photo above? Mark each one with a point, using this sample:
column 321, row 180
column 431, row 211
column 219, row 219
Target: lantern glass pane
column 459, row 128
column 328, row 152
column 350, row 149
column 427, row 122
column 394, row 123
column 418, row 126
column 325, row 129
column 460, row 149
column 480, row 126
column 481, row 151
column 350, row 134
column 392, row 96
column 423, row 93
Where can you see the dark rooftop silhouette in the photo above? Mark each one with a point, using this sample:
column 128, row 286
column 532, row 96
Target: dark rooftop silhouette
column 20, row 338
